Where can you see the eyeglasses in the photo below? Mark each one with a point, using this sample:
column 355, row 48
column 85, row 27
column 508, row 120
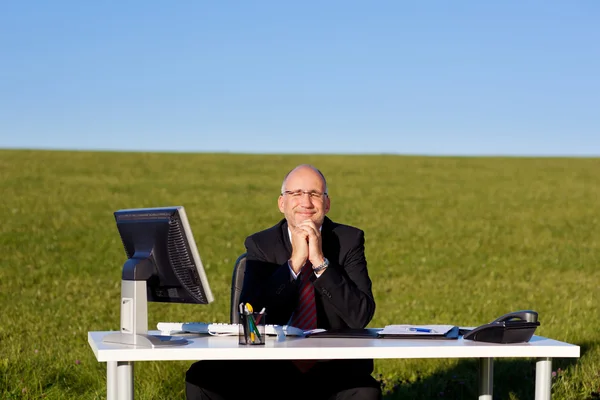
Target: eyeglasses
column 296, row 194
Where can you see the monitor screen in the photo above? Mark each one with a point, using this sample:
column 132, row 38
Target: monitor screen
column 161, row 250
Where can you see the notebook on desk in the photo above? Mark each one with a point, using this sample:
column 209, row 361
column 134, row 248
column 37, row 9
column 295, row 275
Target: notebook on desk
column 433, row 332
column 343, row 333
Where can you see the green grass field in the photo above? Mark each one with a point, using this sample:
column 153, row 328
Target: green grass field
column 449, row 240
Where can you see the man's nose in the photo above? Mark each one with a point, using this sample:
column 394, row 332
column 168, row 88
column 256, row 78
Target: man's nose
column 305, row 199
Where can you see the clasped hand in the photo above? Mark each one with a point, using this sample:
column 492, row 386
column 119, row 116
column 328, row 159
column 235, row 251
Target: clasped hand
column 306, row 245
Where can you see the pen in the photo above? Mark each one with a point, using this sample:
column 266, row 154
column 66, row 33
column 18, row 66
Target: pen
column 244, row 322
column 254, row 328
column 424, row 330
column 248, row 335
column 260, row 315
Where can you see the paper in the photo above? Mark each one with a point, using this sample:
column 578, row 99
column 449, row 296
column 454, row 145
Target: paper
column 412, row 330
column 313, row 331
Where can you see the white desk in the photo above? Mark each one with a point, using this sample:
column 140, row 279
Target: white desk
column 120, row 358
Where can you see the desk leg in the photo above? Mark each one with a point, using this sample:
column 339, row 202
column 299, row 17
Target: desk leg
column 543, row 379
column 125, row 380
column 111, row 380
column 486, row 378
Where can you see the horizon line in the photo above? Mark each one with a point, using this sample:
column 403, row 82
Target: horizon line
column 259, row 153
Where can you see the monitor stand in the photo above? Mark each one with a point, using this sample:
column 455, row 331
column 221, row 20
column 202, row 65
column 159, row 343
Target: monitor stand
column 134, row 320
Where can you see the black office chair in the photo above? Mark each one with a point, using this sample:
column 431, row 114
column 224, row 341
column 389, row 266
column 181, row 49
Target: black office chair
column 237, row 280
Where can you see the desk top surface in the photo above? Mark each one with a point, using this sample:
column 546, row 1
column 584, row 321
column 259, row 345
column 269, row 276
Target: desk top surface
column 206, row 347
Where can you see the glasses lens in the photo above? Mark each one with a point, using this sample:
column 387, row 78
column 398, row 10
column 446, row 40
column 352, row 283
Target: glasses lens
column 313, row 194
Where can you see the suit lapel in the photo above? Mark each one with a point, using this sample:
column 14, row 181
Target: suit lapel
column 326, row 231
column 285, row 237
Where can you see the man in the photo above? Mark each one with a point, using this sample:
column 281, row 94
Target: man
column 309, row 272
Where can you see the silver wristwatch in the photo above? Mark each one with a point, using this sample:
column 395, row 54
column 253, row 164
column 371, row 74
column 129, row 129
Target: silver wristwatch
column 322, row 266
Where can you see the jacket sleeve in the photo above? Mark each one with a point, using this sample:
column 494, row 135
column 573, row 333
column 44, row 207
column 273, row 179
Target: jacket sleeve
column 268, row 284
column 345, row 286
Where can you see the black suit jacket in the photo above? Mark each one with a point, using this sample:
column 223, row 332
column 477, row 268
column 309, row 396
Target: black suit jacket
column 343, row 294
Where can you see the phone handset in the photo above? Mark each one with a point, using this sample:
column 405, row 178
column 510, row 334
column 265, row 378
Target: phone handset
column 523, row 315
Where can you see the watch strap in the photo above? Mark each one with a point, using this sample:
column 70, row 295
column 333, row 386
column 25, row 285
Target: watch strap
column 322, row 266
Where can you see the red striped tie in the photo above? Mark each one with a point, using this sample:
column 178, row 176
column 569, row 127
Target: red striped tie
column 305, row 316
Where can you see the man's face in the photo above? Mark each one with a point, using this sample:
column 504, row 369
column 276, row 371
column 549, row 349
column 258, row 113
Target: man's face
column 304, row 197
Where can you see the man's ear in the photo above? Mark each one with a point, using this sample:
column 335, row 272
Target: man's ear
column 280, row 203
column 327, row 204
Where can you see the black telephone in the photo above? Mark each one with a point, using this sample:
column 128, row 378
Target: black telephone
column 514, row 327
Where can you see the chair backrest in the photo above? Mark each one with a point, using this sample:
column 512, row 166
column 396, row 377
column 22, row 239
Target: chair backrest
column 237, row 280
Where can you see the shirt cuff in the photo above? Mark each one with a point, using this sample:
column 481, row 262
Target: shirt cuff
column 294, row 275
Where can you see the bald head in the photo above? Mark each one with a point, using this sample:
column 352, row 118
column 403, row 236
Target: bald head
column 302, row 168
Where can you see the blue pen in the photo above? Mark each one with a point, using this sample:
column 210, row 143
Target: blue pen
column 424, row 330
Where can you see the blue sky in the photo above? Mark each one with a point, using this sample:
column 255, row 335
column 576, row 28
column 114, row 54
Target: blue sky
column 433, row 78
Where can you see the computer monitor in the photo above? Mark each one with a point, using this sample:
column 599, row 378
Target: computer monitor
column 163, row 265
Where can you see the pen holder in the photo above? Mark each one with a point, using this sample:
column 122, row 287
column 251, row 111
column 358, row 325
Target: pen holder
column 252, row 328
